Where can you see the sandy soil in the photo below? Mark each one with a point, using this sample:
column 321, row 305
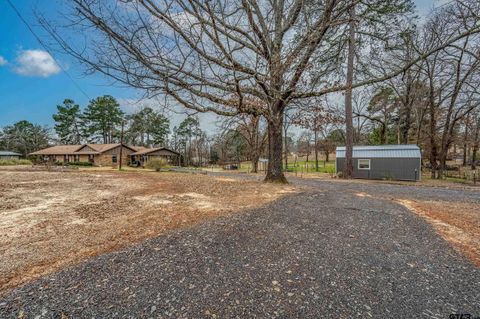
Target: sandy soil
column 49, row 220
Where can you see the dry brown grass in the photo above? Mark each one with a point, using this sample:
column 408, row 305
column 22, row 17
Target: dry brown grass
column 458, row 223
column 49, row 220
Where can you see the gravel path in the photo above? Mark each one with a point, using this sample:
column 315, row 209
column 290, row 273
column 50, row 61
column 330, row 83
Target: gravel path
column 321, row 253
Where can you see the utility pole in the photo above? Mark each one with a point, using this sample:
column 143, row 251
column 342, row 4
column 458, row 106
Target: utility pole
column 121, row 146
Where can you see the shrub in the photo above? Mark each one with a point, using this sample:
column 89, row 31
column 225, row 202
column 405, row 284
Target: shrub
column 156, row 164
column 387, row 177
column 79, row 164
column 330, row 170
column 15, row 162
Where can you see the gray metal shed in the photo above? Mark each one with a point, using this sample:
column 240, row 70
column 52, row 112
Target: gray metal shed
column 7, row 155
column 400, row 162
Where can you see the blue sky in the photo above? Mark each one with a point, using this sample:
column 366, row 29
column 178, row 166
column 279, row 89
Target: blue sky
column 31, row 84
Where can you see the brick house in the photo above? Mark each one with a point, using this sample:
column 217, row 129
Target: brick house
column 97, row 154
column 105, row 154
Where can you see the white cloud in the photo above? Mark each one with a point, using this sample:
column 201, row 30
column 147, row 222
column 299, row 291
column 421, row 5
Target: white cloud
column 3, row 61
column 36, row 63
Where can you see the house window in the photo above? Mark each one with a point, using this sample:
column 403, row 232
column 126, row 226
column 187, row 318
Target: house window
column 114, row 159
column 76, row 158
column 364, row 164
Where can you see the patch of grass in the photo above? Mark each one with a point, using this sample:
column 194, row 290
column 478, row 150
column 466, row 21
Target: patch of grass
column 304, row 166
column 15, row 162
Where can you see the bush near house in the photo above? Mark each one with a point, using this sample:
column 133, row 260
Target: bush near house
column 79, row 164
column 157, row 164
column 15, row 162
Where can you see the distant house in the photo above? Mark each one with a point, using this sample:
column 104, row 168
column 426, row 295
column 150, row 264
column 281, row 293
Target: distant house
column 98, row 154
column 143, row 155
column 7, row 155
column 399, row 162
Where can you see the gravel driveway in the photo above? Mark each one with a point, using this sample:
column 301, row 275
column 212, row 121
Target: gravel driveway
column 323, row 252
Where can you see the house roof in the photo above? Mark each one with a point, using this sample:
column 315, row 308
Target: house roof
column 58, row 150
column 139, row 148
column 382, row 151
column 8, row 153
column 74, row 149
column 103, row 147
column 151, row 150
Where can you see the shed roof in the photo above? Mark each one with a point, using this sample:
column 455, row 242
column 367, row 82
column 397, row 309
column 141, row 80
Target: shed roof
column 8, row 153
column 382, row 151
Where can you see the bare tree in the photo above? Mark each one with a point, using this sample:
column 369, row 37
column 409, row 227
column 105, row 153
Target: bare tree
column 451, row 74
column 476, row 139
column 361, row 101
column 382, row 111
column 304, row 144
column 318, row 119
column 253, row 131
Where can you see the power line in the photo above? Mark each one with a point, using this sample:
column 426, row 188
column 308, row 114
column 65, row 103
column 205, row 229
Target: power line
column 46, row 48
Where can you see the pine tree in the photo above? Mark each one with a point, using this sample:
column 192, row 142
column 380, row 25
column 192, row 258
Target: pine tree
column 102, row 117
column 68, row 122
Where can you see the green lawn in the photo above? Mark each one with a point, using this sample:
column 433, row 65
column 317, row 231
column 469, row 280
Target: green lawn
column 309, row 167
column 293, row 167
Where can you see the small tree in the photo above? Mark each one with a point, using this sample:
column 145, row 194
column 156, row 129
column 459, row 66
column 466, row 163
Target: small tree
column 318, row 119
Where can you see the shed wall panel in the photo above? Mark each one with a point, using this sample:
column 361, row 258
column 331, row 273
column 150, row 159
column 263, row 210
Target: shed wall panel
column 386, row 168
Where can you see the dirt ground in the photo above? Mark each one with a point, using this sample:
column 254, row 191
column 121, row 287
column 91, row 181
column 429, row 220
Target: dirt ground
column 49, row 220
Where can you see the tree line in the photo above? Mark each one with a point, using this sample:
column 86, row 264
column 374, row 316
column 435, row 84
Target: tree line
column 102, row 121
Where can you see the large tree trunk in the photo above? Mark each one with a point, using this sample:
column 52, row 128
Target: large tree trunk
column 255, row 158
column 316, row 151
column 383, row 134
column 476, row 143
column 433, row 133
column 275, row 150
column 348, row 167
column 286, row 147
column 465, row 137
column 407, row 125
column 443, row 163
